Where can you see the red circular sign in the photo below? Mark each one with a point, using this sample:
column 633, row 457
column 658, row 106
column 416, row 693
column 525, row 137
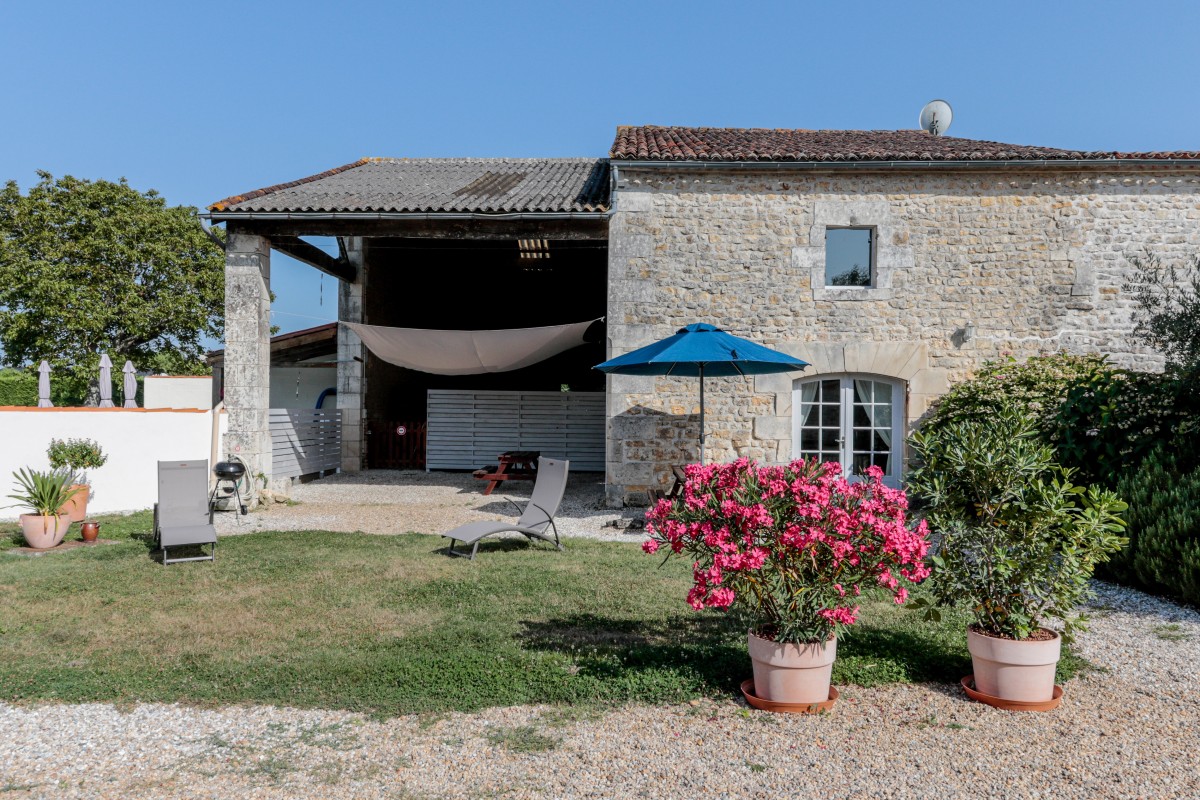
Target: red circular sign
column 401, row 430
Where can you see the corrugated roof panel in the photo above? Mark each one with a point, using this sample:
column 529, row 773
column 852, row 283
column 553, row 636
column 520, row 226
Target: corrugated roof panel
column 446, row 185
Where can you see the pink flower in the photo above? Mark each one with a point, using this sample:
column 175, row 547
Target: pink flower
column 753, row 531
column 842, row 615
column 721, row 598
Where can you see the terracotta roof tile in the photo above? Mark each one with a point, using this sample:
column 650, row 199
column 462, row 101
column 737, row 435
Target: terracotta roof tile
column 659, row 143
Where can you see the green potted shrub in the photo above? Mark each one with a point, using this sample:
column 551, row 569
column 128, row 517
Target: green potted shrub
column 1019, row 543
column 44, row 494
column 76, row 455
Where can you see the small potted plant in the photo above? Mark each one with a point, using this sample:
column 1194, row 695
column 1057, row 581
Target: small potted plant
column 76, row 455
column 44, row 494
column 795, row 547
column 1019, row 544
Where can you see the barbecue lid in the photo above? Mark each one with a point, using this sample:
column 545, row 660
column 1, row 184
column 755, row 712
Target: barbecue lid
column 229, row 469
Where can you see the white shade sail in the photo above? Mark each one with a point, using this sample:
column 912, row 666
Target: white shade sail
column 468, row 352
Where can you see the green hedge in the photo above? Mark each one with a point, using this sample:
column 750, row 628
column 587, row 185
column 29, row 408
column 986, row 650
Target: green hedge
column 18, row 388
column 1163, row 554
column 1100, row 419
column 1135, row 432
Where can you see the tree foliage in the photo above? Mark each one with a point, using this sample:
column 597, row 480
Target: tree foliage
column 88, row 267
column 1168, row 315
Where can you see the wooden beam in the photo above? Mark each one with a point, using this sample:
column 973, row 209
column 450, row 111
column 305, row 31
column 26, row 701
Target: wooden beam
column 305, row 364
column 575, row 229
column 314, row 256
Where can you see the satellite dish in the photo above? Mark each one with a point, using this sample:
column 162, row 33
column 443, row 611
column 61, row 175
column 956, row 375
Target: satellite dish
column 936, row 117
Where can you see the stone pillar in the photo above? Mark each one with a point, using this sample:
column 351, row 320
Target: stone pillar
column 629, row 476
column 351, row 380
column 247, row 371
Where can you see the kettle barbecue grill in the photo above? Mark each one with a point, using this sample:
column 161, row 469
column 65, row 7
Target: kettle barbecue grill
column 229, row 474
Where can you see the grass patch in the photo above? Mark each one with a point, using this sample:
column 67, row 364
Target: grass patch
column 566, row 716
column 1172, row 632
column 132, row 528
column 521, row 739
column 387, row 625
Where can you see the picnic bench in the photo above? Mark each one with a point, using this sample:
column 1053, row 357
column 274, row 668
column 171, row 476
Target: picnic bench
column 513, row 465
column 676, row 488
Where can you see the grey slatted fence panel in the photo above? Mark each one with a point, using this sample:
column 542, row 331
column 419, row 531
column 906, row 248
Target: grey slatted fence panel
column 469, row 429
column 305, row 441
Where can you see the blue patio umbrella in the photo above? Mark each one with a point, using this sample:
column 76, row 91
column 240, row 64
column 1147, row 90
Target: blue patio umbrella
column 701, row 350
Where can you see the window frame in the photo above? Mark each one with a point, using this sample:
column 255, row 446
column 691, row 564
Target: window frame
column 894, row 253
column 899, row 403
column 872, row 252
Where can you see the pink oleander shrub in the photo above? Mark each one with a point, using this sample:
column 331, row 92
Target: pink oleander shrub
column 794, row 546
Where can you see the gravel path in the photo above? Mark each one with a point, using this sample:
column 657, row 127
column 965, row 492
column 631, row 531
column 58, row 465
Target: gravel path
column 1129, row 731
column 394, row 501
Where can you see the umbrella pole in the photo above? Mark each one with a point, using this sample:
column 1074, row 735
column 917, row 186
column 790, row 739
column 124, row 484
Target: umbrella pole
column 702, row 415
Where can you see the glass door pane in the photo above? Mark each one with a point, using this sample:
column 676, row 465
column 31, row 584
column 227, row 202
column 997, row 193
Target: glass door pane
column 820, row 422
column 853, row 421
column 871, row 434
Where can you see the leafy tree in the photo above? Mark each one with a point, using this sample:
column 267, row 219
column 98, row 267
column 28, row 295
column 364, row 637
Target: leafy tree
column 856, row 276
column 88, row 267
column 1168, row 315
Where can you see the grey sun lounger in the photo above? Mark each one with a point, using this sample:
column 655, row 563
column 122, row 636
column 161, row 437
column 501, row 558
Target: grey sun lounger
column 183, row 514
column 537, row 518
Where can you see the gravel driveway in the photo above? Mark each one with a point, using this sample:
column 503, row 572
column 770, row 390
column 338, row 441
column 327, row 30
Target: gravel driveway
column 1129, row 731
column 394, row 501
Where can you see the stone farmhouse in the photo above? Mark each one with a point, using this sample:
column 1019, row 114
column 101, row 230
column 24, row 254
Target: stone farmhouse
column 895, row 262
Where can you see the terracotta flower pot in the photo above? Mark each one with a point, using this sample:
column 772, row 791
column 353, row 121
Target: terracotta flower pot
column 90, row 531
column 76, row 507
column 1010, row 669
column 42, row 533
column 792, row 673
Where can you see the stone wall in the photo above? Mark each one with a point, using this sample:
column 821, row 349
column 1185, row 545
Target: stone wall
column 971, row 266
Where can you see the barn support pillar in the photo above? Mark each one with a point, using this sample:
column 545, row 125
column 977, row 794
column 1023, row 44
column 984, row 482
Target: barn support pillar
column 351, row 358
column 247, row 373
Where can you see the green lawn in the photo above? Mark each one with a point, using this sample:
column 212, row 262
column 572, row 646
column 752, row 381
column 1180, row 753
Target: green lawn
column 390, row 625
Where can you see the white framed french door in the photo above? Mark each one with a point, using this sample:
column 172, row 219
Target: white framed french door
column 856, row 420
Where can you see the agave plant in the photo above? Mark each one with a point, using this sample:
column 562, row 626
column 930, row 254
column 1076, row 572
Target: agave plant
column 43, row 493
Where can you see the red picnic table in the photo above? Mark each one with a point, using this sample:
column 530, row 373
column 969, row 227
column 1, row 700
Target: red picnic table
column 514, row 465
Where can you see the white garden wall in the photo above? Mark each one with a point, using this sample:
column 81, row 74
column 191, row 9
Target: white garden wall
column 178, row 391
column 134, row 440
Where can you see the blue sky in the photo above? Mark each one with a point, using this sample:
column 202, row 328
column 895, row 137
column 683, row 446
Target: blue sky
column 203, row 101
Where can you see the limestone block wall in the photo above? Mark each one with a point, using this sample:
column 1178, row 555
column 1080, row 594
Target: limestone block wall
column 971, row 266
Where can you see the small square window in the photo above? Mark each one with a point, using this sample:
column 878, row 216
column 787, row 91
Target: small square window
column 849, row 256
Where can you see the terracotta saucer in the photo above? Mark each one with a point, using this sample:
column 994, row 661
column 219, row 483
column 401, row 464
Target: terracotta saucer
column 968, row 683
column 788, row 708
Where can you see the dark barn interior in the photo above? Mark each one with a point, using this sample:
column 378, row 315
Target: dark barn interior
column 480, row 284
